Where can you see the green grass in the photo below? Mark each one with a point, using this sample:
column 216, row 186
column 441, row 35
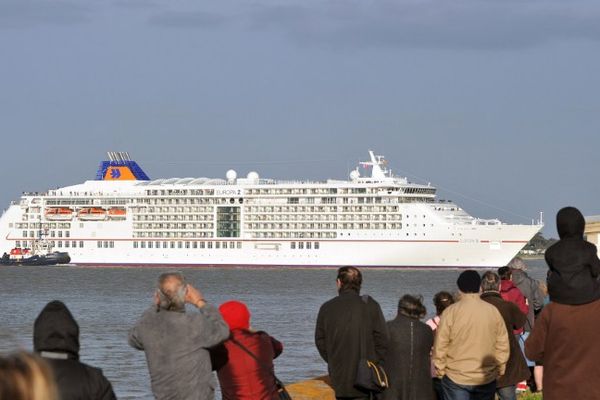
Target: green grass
column 530, row 396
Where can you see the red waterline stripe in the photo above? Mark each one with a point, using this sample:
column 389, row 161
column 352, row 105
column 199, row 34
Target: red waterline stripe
column 268, row 266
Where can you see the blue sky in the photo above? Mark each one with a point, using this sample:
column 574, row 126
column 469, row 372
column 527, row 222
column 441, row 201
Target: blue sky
column 495, row 102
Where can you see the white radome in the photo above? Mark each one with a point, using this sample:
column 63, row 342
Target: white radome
column 231, row 175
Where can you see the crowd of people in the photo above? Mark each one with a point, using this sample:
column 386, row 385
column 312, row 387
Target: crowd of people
column 498, row 333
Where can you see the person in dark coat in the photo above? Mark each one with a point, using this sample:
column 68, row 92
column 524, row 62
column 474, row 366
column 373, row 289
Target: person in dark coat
column 441, row 301
column 56, row 339
column 516, row 367
column 573, row 263
column 535, row 302
column 242, row 377
column 345, row 324
column 407, row 360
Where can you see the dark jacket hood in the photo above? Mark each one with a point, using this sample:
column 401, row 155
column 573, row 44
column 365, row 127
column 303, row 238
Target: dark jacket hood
column 570, row 223
column 56, row 330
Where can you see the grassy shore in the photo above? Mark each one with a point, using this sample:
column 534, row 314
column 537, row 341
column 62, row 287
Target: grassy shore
column 530, row 396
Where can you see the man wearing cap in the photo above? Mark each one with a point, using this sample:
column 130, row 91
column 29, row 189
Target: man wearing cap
column 471, row 346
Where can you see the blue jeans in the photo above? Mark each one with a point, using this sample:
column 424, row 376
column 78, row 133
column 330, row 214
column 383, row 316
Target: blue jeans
column 507, row 392
column 455, row 391
column 521, row 339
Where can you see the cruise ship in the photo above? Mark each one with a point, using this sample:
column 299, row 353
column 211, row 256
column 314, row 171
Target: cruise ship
column 373, row 219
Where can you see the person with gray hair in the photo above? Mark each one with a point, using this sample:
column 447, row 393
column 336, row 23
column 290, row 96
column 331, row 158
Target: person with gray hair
column 176, row 342
column 514, row 318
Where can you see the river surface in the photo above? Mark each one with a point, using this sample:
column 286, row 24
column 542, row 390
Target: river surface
column 106, row 302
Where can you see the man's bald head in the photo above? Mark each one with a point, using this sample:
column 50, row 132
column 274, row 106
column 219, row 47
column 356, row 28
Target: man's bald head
column 171, row 291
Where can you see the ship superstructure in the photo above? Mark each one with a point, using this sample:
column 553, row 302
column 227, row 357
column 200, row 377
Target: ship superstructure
column 379, row 220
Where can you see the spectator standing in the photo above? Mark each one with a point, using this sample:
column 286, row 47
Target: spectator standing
column 535, row 302
column 530, row 289
column 514, row 318
column 573, row 263
column 565, row 337
column 509, row 292
column 441, row 301
column 26, row 376
column 471, row 345
column 56, row 339
column 344, row 324
column 407, row 360
column 241, row 376
column 176, row 342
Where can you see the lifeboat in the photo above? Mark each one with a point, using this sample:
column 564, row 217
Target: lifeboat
column 59, row 214
column 92, row 214
column 117, row 213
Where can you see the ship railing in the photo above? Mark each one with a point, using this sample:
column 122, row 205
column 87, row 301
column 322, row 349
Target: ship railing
column 480, row 221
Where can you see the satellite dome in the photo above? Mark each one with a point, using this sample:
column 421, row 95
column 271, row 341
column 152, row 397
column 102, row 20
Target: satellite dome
column 354, row 175
column 231, row 175
column 253, row 176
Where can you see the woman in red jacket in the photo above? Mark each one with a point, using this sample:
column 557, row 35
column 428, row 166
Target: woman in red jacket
column 509, row 292
column 242, row 376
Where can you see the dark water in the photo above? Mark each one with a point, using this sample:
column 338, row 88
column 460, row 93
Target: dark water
column 107, row 301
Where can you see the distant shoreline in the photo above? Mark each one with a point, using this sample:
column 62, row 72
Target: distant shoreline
column 532, row 257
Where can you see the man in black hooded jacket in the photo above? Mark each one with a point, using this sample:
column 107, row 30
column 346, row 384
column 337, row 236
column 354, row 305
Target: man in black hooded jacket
column 56, row 339
column 573, row 262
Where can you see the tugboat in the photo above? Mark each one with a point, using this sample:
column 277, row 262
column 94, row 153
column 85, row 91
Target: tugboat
column 40, row 254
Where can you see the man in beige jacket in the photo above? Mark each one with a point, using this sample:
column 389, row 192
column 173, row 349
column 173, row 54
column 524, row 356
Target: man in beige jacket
column 471, row 344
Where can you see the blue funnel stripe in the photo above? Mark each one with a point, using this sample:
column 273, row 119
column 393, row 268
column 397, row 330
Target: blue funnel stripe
column 135, row 169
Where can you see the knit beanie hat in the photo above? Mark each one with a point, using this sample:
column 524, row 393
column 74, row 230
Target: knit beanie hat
column 235, row 314
column 469, row 281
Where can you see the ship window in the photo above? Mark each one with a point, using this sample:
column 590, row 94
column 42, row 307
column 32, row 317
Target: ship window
column 316, row 245
column 81, row 243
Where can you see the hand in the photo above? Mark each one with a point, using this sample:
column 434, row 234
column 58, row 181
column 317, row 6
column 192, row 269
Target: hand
column 194, row 296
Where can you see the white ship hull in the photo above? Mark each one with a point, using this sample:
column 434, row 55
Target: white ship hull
column 366, row 222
